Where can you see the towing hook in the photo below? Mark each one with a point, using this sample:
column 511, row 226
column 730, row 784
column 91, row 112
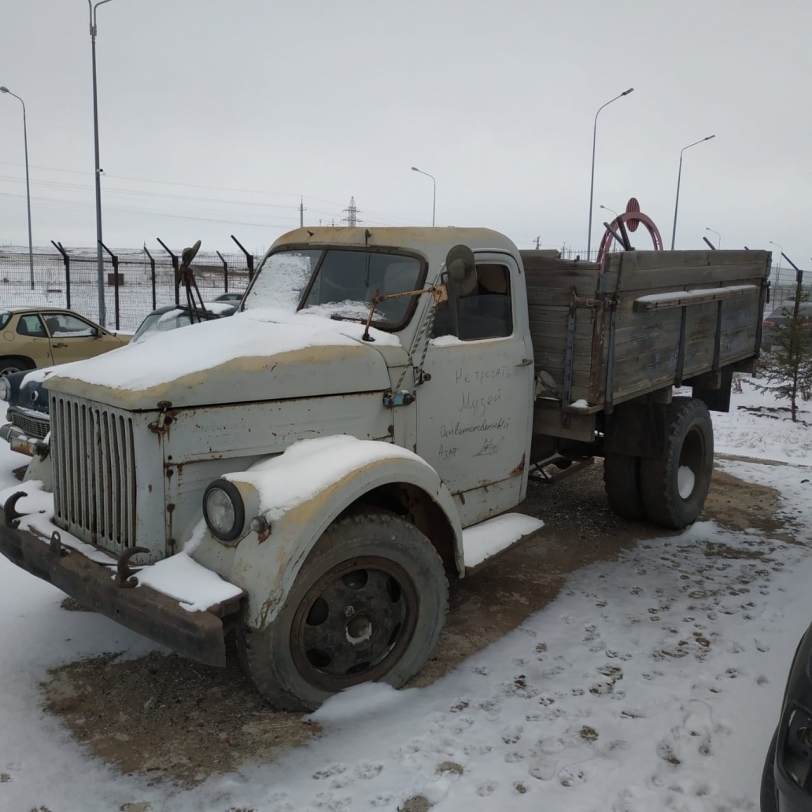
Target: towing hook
column 10, row 509
column 125, row 577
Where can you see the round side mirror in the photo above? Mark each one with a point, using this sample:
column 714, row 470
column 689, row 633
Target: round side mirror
column 461, row 267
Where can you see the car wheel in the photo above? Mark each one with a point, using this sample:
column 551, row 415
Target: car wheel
column 11, row 364
column 368, row 605
column 674, row 487
column 769, row 798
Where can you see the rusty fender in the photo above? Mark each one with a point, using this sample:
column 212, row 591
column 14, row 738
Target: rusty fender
column 266, row 569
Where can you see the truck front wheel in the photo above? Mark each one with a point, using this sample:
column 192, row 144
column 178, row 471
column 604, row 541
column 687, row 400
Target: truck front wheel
column 368, row 605
column 674, row 487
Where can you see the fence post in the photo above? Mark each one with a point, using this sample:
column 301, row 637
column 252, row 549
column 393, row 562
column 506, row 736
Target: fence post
column 249, row 259
column 225, row 270
column 152, row 266
column 115, row 278
column 66, row 259
column 176, row 268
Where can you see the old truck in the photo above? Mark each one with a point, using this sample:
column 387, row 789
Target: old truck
column 308, row 473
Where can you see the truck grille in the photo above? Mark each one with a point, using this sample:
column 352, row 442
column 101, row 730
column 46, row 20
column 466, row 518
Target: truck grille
column 94, row 472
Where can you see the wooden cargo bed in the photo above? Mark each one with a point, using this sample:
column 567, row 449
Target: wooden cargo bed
column 646, row 320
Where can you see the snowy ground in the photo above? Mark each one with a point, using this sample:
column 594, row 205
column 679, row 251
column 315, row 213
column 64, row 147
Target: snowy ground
column 652, row 682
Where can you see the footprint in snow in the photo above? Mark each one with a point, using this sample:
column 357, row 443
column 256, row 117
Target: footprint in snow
column 488, row 788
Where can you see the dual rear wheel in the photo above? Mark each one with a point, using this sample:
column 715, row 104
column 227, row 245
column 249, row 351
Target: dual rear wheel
column 669, row 491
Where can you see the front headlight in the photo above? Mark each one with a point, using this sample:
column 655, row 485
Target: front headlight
column 5, row 389
column 224, row 510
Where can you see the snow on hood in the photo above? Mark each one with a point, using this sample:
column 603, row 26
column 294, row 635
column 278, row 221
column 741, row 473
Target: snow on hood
column 262, row 354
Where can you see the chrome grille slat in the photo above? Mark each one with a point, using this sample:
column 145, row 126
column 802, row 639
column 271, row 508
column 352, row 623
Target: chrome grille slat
column 93, row 450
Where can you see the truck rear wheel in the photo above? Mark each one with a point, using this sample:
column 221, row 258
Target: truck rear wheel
column 368, row 605
column 674, row 487
column 621, row 479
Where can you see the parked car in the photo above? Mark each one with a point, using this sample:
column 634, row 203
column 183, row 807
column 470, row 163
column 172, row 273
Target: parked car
column 786, row 783
column 29, row 422
column 229, row 297
column 171, row 317
column 34, row 337
column 780, row 317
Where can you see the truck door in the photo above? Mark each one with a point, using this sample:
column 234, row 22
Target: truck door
column 474, row 414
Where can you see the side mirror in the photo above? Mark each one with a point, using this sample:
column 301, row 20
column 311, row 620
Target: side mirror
column 461, row 267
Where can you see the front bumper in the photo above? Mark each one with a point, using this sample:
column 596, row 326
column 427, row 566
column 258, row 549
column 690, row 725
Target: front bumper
column 21, row 442
column 197, row 635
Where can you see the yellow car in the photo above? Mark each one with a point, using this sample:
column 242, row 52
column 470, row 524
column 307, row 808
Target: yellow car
column 33, row 337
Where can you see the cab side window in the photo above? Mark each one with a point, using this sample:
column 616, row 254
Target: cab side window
column 485, row 312
column 31, row 325
column 63, row 325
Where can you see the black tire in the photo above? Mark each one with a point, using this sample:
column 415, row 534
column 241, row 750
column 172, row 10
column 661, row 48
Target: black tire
column 769, row 797
column 621, row 479
column 10, row 364
column 320, row 643
column 688, row 444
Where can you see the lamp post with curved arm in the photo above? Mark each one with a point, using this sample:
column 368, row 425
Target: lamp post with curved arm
column 719, row 243
column 27, row 185
column 99, row 258
column 679, row 178
column 592, row 175
column 434, row 193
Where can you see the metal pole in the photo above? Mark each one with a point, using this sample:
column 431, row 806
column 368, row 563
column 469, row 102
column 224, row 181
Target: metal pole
column 176, row 269
column 719, row 244
column 27, row 185
column 225, row 270
column 592, row 176
column 99, row 256
column 249, row 258
column 66, row 259
column 433, row 195
column 679, row 178
column 152, row 268
column 115, row 282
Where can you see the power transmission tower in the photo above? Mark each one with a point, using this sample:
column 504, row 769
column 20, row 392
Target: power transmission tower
column 302, row 210
column 538, row 243
column 352, row 213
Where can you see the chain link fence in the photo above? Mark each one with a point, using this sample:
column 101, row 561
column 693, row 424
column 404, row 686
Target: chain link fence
column 141, row 284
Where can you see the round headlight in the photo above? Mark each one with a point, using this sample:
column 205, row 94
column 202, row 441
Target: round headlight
column 5, row 388
column 224, row 510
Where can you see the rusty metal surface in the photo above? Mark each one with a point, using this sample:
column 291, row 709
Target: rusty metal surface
column 197, row 635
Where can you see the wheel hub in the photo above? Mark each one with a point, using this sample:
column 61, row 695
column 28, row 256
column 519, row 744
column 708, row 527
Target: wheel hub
column 354, row 623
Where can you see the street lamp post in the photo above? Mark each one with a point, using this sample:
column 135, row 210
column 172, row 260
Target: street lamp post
column 434, row 194
column 592, row 176
column 27, row 185
column 99, row 257
column 606, row 208
column 719, row 243
column 679, row 178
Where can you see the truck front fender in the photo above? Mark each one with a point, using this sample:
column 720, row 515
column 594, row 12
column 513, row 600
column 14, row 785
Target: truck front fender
column 303, row 490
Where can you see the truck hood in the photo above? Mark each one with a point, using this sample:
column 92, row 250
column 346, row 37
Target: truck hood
column 256, row 355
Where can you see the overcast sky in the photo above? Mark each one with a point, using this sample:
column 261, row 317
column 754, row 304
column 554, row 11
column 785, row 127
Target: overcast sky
column 215, row 117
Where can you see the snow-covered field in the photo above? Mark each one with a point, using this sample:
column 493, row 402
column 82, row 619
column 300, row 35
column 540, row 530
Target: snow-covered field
column 652, row 682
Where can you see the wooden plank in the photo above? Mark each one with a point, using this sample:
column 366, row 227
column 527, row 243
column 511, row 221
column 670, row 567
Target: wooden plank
column 553, row 422
column 632, row 279
column 691, row 298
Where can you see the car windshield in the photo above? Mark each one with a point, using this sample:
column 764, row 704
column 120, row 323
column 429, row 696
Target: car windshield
column 343, row 283
column 156, row 323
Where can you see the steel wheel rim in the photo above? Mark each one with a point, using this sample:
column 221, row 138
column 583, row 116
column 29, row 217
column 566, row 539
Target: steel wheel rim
column 691, row 456
column 354, row 623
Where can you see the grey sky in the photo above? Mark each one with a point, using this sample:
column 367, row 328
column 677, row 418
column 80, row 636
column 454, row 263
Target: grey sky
column 261, row 102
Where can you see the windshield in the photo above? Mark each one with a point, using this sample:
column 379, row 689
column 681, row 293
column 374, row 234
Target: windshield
column 161, row 323
column 343, row 283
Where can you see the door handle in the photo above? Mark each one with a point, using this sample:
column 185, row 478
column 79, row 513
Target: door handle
column 60, row 345
column 525, row 362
